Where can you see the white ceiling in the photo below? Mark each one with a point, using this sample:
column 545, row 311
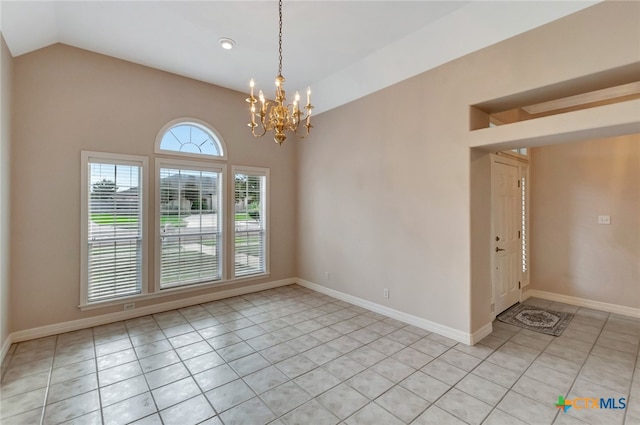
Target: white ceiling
column 342, row 49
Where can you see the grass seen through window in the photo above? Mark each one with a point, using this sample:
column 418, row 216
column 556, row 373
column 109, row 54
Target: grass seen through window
column 110, row 219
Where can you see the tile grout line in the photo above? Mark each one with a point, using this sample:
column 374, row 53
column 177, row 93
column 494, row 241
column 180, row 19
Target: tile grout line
column 259, row 396
column 95, row 359
column 46, row 392
column 573, row 383
column 377, row 320
column 478, row 365
column 522, row 374
column 217, row 414
column 279, row 318
column 202, row 392
column 226, row 362
column 541, row 352
column 182, row 362
column 144, row 375
column 633, row 375
column 287, row 342
column 321, row 365
column 446, row 383
column 595, row 341
column 396, row 384
column 240, row 378
column 318, row 366
column 451, row 386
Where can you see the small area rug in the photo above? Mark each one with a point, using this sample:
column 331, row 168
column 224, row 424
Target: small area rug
column 536, row 319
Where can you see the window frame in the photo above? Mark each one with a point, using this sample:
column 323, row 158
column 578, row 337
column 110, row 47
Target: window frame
column 196, row 166
column 197, row 123
column 252, row 171
column 117, row 159
column 148, row 289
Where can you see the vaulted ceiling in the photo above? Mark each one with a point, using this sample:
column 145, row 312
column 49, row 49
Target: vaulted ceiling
column 342, row 49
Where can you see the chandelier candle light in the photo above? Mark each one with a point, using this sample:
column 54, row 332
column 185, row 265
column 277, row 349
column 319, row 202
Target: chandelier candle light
column 279, row 117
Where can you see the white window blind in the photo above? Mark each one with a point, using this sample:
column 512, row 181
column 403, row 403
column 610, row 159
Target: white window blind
column 114, row 219
column 250, row 222
column 524, row 224
column 190, row 224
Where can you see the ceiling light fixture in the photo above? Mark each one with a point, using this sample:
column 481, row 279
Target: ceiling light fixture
column 279, row 117
column 226, row 43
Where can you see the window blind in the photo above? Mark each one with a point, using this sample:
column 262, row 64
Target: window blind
column 114, row 230
column 250, row 223
column 524, row 224
column 190, row 226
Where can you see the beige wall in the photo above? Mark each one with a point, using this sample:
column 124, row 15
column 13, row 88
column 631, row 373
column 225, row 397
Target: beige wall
column 386, row 194
column 481, row 241
column 67, row 100
column 571, row 254
column 6, row 77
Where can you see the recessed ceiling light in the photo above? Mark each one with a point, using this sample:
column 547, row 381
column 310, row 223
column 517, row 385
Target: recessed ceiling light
column 227, row 43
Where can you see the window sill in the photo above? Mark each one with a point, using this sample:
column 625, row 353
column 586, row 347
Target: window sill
column 169, row 292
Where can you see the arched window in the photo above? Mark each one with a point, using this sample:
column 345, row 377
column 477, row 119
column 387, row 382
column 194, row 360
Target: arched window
column 190, row 205
column 190, row 137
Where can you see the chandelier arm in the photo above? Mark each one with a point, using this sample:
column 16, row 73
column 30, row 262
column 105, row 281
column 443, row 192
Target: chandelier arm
column 257, row 136
column 264, row 129
column 302, row 116
column 296, row 121
column 307, row 125
column 253, row 131
column 306, row 133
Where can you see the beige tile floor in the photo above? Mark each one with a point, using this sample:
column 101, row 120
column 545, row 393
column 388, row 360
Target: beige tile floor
column 294, row 356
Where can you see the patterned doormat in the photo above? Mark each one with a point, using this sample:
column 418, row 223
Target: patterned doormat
column 536, row 319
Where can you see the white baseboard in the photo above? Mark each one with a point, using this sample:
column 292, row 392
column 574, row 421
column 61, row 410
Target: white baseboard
column 481, row 333
column 73, row 325
column 583, row 302
column 104, row 319
column 5, row 347
column 428, row 325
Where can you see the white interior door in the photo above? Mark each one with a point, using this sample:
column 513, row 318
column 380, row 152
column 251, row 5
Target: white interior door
column 506, row 212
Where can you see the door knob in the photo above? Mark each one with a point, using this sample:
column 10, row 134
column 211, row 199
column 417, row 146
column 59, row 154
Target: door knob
column 499, row 249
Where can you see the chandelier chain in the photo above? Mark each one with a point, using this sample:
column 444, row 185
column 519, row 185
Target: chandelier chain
column 278, row 116
column 280, row 39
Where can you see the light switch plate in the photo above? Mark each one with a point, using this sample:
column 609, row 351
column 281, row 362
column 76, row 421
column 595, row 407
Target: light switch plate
column 604, row 219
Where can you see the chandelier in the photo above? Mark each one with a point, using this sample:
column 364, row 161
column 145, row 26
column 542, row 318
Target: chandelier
column 279, row 117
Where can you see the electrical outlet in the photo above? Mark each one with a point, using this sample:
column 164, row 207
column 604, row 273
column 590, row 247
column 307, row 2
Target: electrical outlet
column 129, row 306
column 604, row 219
column 386, row 293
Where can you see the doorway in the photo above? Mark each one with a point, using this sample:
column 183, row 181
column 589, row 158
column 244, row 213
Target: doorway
column 508, row 230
